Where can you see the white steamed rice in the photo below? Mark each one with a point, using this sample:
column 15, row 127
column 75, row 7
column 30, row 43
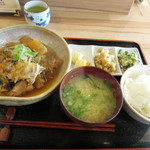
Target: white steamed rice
column 137, row 92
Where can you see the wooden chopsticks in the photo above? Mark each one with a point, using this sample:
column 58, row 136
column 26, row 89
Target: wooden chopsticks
column 59, row 125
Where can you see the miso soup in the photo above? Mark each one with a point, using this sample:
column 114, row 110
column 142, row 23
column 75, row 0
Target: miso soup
column 89, row 98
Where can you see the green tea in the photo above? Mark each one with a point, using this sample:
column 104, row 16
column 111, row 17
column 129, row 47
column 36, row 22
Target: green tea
column 36, row 9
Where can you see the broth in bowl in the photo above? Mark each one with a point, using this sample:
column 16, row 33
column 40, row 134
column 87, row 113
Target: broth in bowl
column 89, row 98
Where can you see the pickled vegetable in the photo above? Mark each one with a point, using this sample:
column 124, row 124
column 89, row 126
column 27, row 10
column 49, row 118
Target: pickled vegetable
column 127, row 59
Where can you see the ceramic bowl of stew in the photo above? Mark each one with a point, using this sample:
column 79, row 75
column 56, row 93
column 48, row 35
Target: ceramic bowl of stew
column 33, row 61
column 90, row 96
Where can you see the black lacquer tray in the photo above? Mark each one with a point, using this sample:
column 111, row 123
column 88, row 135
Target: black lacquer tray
column 129, row 133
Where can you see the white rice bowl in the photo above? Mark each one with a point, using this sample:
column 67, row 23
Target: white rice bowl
column 135, row 85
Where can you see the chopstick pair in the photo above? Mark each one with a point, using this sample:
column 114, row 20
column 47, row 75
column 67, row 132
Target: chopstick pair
column 59, row 125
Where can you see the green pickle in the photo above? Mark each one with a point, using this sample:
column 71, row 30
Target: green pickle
column 127, row 59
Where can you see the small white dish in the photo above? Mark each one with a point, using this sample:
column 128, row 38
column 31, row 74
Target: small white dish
column 90, row 51
column 131, row 50
column 112, row 51
column 85, row 50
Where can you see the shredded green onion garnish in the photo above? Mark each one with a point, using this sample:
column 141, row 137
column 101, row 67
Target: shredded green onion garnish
column 21, row 52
